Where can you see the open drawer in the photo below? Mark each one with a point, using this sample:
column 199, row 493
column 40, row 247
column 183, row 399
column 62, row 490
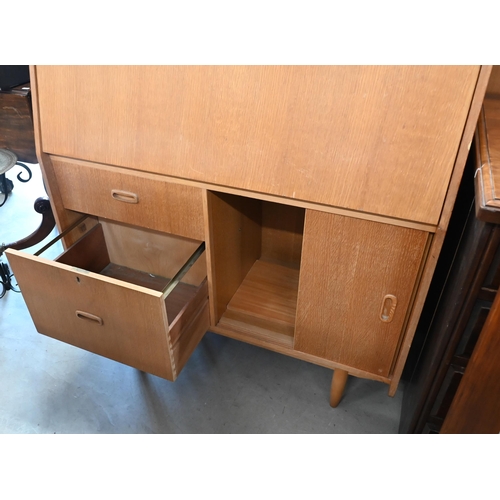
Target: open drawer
column 133, row 295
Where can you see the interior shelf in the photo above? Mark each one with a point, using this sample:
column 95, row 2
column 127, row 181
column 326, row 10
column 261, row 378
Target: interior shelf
column 256, row 247
column 265, row 301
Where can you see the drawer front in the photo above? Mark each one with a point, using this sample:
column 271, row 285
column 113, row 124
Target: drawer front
column 129, row 197
column 119, row 320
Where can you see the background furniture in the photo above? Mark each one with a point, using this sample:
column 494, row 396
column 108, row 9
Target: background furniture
column 454, row 386
column 17, row 145
column 16, row 117
column 322, row 195
column 17, row 140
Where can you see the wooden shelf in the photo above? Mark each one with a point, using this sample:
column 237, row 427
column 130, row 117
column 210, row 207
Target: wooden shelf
column 265, row 302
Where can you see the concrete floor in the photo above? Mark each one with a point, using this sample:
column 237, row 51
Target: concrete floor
column 226, row 387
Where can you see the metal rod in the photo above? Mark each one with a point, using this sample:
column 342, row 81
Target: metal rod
column 183, row 270
column 62, row 235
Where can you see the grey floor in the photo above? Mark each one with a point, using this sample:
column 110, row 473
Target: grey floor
column 226, row 387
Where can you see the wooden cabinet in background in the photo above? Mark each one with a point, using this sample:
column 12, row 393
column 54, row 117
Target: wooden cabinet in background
column 322, row 193
column 16, row 121
column 454, row 387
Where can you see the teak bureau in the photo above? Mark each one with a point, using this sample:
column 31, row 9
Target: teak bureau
column 297, row 208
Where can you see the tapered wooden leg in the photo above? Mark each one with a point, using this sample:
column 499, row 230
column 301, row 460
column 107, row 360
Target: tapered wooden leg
column 338, row 384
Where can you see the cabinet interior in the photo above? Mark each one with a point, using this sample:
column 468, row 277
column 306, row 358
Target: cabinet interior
column 141, row 257
column 256, row 249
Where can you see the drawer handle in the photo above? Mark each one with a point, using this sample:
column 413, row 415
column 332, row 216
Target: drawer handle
column 125, row 196
column 388, row 308
column 88, row 316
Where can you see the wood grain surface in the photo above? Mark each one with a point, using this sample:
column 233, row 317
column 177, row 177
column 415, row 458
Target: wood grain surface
column 375, row 139
column 266, row 299
column 487, row 178
column 284, row 345
column 493, row 89
column 348, row 267
column 190, row 336
column 152, row 251
column 64, row 218
column 173, row 208
column 234, row 240
column 282, row 230
column 134, row 329
column 476, row 405
column 436, row 242
column 16, row 123
column 374, row 142
column 89, row 252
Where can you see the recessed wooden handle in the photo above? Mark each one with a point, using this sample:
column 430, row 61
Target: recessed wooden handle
column 88, row 316
column 388, row 308
column 125, row 196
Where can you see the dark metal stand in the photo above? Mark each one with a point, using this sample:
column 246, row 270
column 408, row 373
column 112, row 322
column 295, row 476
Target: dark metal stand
column 41, row 206
column 6, row 185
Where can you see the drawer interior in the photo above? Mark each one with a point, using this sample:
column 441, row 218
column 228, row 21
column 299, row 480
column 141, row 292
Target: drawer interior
column 256, row 250
column 134, row 295
column 145, row 258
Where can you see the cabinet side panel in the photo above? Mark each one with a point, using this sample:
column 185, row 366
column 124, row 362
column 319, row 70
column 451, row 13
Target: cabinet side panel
column 64, row 218
column 437, row 240
column 234, row 227
column 348, row 267
column 375, row 139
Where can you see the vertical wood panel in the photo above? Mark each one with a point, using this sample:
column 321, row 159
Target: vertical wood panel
column 234, row 242
column 152, row 251
column 436, row 242
column 348, row 267
column 282, row 229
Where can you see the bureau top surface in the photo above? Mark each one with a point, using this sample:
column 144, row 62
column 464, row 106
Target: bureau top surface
column 374, row 139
